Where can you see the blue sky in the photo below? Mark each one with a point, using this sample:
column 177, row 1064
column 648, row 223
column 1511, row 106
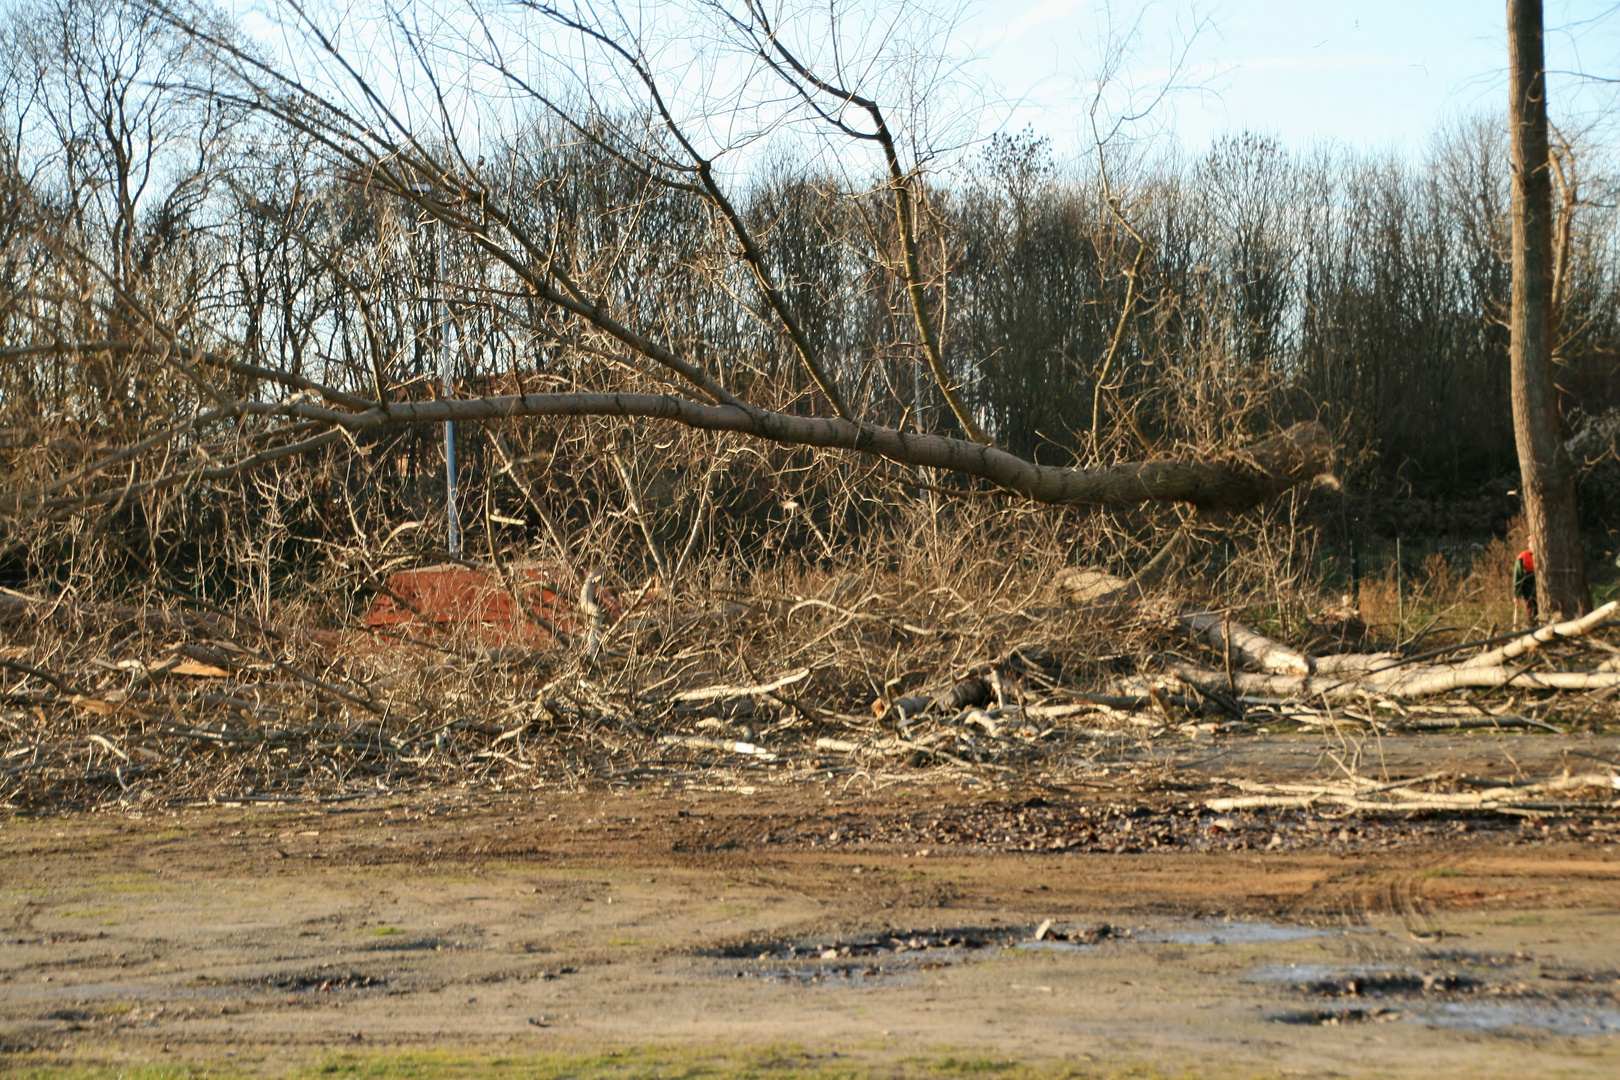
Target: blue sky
column 1376, row 74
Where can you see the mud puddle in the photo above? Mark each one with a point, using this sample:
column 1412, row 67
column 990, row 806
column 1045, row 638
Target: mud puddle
column 886, row 954
column 1479, row 992
column 1499, row 995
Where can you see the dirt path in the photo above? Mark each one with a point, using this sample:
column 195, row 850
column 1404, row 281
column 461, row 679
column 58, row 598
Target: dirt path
column 887, row 933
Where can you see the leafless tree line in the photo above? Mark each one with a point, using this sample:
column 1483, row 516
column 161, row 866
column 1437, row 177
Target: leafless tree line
column 212, row 267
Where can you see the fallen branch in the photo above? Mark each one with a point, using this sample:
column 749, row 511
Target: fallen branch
column 1409, row 684
column 1402, row 798
column 1530, row 642
column 1349, row 663
column 1235, row 480
column 722, row 693
column 1250, row 646
column 729, row 746
column 1455, row 723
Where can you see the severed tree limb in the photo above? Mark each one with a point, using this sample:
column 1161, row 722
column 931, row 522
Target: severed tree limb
column 723, row 693
column 1552, row 632
column 203, row 357
column 1425, row 681
column 1233, row 482
column 63, row 506
column 1405, row 806
column 1420, row 682
column 1252, row 647
column 1402, row 797
column 728, row 745
column 1459, row 723
column 1346, row 663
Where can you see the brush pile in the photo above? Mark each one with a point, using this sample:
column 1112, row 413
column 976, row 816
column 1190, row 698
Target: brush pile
column 854, row 677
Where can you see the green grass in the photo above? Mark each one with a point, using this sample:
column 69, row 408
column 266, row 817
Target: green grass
column 383, row 931
column 666, row 1063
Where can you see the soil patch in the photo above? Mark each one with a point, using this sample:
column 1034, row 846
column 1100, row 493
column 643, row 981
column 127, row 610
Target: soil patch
column 720, row 931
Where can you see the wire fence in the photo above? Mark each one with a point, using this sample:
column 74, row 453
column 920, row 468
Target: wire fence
column 1381, row 556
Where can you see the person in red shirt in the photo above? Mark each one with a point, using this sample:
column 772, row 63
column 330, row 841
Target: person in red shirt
column 1524, row 584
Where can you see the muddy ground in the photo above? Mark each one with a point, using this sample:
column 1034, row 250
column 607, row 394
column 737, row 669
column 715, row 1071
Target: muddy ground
column 826, row 929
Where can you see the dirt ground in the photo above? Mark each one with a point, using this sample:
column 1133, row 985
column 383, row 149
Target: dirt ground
column 821, row 930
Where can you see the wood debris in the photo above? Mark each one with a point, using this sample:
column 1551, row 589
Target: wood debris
column 244, row 711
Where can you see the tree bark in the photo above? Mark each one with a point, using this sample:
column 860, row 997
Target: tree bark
column 1546, row 475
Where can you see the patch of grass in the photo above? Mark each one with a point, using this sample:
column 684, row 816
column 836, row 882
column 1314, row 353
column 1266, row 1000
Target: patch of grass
column 641, row 1063
column 383, row 931
column 125, row 884
column 1441, row 872
column 124, row 1072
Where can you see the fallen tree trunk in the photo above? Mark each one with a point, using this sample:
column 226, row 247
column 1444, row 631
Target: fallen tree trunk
column 1349, row 663
column 1233, row 480
column 1104, row 592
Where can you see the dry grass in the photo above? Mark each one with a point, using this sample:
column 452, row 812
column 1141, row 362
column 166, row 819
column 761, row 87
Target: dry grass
column 305, row 708
column 1440, row 604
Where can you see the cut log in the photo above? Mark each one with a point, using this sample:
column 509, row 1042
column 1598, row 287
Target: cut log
column 1424, row 681
column 1101, row 591
column 1530, row 642
column 1252, row 647
column 1352, row 663
column 728, row 745
column 1082, row 587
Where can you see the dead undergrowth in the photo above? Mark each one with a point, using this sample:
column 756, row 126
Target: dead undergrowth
column 957, row 648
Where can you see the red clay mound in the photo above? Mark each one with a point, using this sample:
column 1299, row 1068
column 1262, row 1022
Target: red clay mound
column 452, row 597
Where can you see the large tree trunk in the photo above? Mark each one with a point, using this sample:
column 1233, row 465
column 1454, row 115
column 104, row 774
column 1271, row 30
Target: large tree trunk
column 1546, row 475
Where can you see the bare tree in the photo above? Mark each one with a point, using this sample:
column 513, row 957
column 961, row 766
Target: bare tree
column 1545, row 469
column 590, row 310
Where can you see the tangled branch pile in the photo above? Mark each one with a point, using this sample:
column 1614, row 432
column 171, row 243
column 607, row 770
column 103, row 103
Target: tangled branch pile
column 955, row 660
column 785, row 409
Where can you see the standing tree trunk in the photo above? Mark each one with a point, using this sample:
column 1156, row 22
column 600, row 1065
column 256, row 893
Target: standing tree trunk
column 1547, row 477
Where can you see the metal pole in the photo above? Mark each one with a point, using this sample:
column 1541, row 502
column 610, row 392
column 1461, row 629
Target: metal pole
column 438, row 315
column 446, row 371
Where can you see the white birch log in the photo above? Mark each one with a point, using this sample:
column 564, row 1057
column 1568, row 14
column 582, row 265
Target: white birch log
column 1254, row 649
column 1348, row 663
